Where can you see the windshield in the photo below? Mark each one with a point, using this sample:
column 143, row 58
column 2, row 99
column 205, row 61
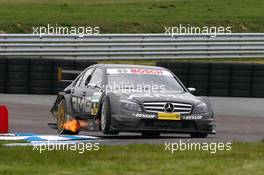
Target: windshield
column 147, row 79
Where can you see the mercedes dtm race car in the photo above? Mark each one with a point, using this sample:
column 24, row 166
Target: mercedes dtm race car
column 132, row 98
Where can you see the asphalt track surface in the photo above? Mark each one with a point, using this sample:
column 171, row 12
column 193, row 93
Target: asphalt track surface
column 237, row 119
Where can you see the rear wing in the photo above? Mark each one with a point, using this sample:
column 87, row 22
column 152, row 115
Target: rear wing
column 62, row 71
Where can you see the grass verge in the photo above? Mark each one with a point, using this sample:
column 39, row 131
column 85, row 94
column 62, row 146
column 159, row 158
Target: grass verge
column 131, row 16
column 243, row 159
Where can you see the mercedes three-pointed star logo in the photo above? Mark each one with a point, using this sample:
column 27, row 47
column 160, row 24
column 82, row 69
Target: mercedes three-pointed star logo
column 169, row 107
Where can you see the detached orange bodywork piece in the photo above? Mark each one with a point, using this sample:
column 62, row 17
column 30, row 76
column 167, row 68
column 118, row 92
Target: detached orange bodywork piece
column 75, row 125
column 72, row 125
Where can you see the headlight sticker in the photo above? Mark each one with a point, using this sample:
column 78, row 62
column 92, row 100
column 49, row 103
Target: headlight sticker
column 200, row 109
column 129, row 105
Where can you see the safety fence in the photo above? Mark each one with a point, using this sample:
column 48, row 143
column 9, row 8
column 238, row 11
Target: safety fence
column 133, row 46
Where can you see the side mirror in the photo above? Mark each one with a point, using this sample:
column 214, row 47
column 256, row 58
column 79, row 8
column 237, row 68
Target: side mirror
column 191, row 90
column 95, row 86
column 68, row 91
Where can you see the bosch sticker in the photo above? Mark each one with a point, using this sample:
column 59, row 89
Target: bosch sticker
column 139, row 71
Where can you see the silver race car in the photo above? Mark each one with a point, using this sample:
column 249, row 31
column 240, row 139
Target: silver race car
column 117, row 98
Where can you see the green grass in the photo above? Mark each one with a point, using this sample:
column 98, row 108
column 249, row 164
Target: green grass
column 243, row 159
column 131, row 16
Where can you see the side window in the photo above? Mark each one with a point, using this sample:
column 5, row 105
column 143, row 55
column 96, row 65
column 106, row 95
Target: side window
column 85, row 79
column 77, row 84
column 97, row 77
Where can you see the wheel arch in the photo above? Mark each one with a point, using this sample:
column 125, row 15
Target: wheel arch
column 113, row 103
column 98, row 115
column 67, row 100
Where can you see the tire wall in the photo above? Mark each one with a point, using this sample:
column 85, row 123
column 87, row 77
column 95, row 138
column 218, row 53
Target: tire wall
column 220, row 79
column 36, row 76
column 39, row 76
column 3, row 75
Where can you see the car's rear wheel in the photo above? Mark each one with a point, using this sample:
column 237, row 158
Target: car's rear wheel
column 106, row 118
column 150, row 134
column 198, row 135
column 62, row 119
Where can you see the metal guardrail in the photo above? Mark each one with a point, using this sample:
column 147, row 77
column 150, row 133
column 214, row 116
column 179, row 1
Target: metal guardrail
column 132, row 46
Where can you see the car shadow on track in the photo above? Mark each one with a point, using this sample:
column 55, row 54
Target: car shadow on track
column 136, row 136
column 133, row 137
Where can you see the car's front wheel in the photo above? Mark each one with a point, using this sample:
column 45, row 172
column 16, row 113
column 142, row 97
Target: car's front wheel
column 62, row 118
column 106, row 118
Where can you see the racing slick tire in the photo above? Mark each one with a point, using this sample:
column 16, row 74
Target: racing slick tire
column 106, row 118
column 150, row 134
column 198, row 135
column 61, row 119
